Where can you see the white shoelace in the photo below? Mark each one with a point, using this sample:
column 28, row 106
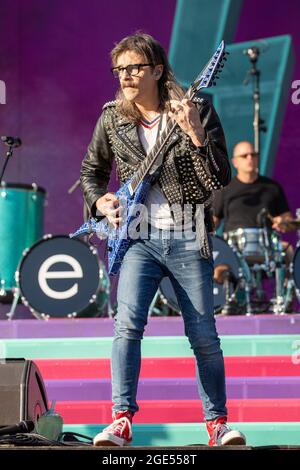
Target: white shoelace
column 124, row 420
column 220, row 431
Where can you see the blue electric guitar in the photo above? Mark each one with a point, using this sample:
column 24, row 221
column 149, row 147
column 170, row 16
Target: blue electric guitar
column 134, row 192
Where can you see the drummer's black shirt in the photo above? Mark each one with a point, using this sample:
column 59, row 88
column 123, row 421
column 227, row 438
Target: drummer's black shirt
column 240, row 203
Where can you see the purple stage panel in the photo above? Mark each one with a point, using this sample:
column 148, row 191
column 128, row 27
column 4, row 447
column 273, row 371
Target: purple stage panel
column 55, row 62
column 259, row 324
column 175, row 389
column 157, row 326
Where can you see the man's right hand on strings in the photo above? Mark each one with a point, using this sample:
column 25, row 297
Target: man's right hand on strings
column 109, row 206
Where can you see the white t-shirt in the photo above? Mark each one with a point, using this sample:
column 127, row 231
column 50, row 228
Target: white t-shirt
column 159, row 214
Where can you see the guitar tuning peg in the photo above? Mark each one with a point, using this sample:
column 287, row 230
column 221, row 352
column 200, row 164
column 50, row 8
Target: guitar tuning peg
column 213, row 83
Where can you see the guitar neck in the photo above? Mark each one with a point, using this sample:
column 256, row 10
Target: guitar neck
column 156, row 151
column 153, row 155
column 204, row 80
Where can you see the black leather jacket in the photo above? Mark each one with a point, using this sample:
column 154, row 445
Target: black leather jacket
column 188, row 175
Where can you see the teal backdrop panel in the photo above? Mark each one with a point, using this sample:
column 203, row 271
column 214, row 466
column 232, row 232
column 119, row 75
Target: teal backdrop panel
column 199, row 26
column 233, row 99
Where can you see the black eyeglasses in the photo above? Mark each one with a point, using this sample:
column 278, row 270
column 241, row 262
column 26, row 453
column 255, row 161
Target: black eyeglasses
column 132, row 70
column 245, row 155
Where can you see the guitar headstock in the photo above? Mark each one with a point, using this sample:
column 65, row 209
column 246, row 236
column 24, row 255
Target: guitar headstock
column 210, row 72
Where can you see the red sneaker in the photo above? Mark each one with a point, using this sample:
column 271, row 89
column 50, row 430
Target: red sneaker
column 220, row 434
column 118, row 433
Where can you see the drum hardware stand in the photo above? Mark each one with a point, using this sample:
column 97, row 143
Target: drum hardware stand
column 154, row 310
column 292, row 292
column 258, row 123
column 14, row 304
column 246, row 284
column 85, row 208
column 258, row 286
column 159, row 311
column 231, row 306
column 291, row 287
column 249, row 310
column 110, row 310
column 11, row 142
column 277, row 266
column 279, row 304
column 265, row 216
column 289, row 296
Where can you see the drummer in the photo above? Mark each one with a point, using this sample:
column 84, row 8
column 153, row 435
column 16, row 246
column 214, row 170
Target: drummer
column 242, row 201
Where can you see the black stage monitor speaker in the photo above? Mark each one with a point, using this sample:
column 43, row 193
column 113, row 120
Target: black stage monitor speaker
column 22, row 392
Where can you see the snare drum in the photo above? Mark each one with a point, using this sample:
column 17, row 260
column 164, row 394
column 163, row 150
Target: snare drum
column 22, row 224
column 222, row 254
column 250, row 242
column 63, row 277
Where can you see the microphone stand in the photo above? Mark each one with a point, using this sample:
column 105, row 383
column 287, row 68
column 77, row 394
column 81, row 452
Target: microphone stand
column 258, row 123
column 85, row 208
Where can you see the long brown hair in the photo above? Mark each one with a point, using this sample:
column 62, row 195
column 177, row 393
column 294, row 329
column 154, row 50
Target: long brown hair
column 148, row 47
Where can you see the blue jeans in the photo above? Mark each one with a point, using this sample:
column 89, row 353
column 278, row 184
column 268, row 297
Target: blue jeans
column 145, row 264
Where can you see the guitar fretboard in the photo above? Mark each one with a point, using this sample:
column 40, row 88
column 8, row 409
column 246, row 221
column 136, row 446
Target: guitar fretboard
column 150, row 159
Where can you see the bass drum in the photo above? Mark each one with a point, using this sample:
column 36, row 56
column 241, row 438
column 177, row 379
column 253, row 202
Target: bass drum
column 222, row 254
column 22, row 224
column 61, row 277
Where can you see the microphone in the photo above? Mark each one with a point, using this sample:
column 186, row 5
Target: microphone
column 253, row 52
column 11, row 141
column 22, row 426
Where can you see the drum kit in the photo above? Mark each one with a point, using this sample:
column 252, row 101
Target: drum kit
column 54, row 276
column 60, row 277
column 245, row 260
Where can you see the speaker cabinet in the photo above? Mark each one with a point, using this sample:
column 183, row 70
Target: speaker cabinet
column 22, row 392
